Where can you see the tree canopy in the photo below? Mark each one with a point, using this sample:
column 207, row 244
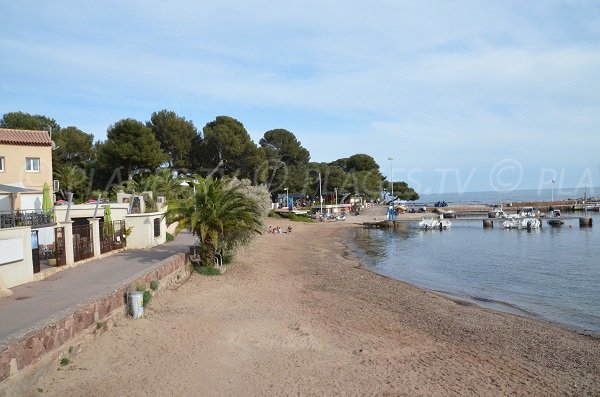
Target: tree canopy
column 285, row 156
column 131, row 145
column 227, row 146
column 26, row 121
column 73, row 146
column 223, row 149
column 175, row 135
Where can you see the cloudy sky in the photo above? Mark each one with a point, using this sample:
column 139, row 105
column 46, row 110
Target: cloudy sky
column 463, row 95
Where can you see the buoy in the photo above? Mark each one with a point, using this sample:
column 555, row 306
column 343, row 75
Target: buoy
column 488, row 223
column 585, row 222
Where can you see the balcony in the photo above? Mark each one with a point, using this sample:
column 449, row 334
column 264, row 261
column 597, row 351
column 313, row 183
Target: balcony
column 32, row 218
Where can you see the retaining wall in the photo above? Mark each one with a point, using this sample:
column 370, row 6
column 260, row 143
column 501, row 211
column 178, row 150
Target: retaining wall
column 24, row 361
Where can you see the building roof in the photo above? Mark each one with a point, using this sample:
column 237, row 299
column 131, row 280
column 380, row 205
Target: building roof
column 24, row 137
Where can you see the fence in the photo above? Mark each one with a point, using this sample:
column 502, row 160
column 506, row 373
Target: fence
column 25, row 218
column 112, row 236
column 83, row 244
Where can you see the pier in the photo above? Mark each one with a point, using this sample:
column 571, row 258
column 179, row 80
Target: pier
column 486, row 221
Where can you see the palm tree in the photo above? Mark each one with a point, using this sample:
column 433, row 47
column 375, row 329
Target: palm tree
column 72, row 180
column 219, row 214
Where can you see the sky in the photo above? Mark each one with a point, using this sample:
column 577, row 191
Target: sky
column 461, row 95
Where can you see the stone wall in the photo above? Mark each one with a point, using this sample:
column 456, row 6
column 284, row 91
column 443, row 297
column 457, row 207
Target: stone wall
column 24, row 361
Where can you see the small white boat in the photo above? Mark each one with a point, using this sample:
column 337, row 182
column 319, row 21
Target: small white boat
column 555, row 218
column 431, row 223
column 529, row 223
column 511, row 223
column 521, row 223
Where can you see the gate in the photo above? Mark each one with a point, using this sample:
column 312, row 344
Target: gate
column 83, row 244
column 59, row 246
column 35, row 251
column 112, row 236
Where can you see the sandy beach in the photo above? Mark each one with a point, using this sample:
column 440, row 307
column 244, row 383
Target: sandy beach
column 296, row 314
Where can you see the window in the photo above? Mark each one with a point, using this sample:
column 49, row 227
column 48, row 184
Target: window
column 1, row 164
column 32, row 164
column 157, row 227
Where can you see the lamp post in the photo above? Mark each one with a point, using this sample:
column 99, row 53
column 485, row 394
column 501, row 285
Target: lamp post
column 287, row 198
column 391, row 176
column 553, row 180
column 335, row 195
column 320, row 194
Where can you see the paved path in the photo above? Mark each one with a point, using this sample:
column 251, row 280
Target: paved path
column 35, row 304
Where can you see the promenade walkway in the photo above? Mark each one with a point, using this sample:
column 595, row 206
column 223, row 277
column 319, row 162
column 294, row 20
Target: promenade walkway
column 36, row 304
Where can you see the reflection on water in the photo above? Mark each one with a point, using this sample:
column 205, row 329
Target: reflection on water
column 553, row 273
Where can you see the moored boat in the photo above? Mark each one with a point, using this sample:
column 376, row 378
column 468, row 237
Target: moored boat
column 555, row 218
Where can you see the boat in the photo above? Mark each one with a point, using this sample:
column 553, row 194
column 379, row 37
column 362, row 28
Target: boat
column 511, row 223
column 515, row 222
column 431, row 223
column 555, row 219
column 497, row 213
column 529, row 223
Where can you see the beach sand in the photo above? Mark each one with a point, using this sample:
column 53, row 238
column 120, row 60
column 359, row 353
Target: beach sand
column 296, row 314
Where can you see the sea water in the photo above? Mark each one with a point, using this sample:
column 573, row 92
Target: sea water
column 519, row 195
column 552, row 273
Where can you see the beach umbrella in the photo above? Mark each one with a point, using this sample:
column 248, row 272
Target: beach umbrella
column 46, row 200
column 108, row 230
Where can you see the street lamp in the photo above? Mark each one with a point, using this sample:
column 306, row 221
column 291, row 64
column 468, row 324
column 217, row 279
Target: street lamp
column 287, row 198
column 320, row 194
column 392, row 176
column 335, row 195
column 553, row 180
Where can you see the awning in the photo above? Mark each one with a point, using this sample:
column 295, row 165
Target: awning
column 16, row 189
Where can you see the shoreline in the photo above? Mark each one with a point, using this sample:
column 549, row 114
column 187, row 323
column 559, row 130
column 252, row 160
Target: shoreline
column 298, row 314
column 483, row 303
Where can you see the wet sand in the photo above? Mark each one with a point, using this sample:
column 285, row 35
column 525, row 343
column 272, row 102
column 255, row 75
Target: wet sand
column 296, row 314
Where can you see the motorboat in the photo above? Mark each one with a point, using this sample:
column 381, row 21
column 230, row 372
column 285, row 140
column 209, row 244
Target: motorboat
column 521, row 223
column 497, row 213
column 555, row 218
column 511, row 223
column 529, row 223
column 431, row 223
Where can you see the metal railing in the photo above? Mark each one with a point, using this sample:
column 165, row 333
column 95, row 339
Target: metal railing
column 31, row 218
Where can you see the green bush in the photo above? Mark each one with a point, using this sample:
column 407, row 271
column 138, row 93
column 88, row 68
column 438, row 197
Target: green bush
column 273, row 214
column 154, row 285
column 208, row 270
column 296, row 218
column 140, row 287
column 147, row 297
column 65, row 361
column 170, row 237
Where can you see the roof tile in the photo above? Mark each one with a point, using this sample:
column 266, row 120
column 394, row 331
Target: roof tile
column 24, row 137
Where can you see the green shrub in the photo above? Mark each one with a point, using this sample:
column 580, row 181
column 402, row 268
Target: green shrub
column 170, row 237
column 273, row 214
column 147, row 297
column 154, row 285
column 140, row 287
column 65, row 361
column 295, row 217
column 208, row 270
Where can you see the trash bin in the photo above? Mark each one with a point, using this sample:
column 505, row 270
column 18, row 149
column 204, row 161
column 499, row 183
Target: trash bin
column 136, row 304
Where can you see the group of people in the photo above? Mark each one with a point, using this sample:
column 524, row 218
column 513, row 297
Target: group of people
column 277, row 230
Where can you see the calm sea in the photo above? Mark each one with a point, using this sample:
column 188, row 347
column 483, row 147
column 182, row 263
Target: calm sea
column 492, row 197
column 552, row 273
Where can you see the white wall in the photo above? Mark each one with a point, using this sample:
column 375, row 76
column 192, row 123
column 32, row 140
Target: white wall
column 16, row 243
column 31, row 201
column 117, row 211
column 142, row 230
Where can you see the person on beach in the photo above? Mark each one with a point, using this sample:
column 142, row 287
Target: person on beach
column 289, row 229
column 270, row 230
